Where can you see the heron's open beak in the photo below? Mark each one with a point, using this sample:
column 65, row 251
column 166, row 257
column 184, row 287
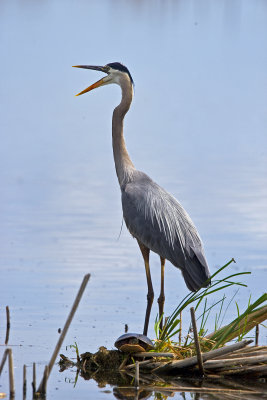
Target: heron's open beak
column 97, row 84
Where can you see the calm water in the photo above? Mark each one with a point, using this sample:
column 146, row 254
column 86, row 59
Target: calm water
column 197, row 126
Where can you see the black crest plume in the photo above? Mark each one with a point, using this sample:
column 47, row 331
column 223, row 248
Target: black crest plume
column 121, row 67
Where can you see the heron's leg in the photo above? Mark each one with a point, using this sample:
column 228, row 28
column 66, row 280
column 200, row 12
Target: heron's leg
column 150, row 291
column 161, row 299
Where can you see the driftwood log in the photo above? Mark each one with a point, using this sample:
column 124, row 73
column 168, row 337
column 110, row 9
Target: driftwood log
column 192, row 361
column 235, row 359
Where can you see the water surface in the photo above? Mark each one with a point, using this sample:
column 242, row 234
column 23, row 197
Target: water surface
column 197, row 126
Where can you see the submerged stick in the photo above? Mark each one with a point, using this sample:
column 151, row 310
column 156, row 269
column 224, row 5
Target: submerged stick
column 198, row 350
column 192, row 361
column 65, row 329
column 7, row 324
column 11, row 373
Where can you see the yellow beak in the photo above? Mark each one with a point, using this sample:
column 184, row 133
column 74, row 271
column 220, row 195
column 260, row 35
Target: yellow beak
column 93, row 86
column 96, row 84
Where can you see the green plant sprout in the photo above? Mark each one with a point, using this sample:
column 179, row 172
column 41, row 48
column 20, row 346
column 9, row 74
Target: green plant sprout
column 75, row 347
column 253, row 315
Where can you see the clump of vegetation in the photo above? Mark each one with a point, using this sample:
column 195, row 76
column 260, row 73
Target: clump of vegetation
column 254, row 314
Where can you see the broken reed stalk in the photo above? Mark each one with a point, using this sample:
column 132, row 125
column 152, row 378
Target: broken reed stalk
column 11, row 373
column 153, row 365
column 257, row 335
column 45, row 379
column 192, row 361
column 141, row 363
column 252, row 348
column 124, row 362
column 197, row 345
column 180, row 331
column 246, row 354
column 8, row 353
column 241, row 361
column 3, row 360
column 65, row 329
column 137, row 375
column 34, row 378
column 7, row 325
column 154, row 354
column 260, row 370
column 24, row 389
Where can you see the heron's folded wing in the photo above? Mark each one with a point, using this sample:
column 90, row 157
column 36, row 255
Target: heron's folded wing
column 158, row 220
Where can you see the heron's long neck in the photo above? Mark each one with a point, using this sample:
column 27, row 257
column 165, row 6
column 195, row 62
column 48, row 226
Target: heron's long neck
column 123, row 164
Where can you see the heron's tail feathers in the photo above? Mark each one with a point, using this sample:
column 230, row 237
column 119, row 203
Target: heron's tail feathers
column 196, row 273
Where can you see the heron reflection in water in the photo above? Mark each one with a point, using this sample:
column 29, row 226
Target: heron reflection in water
column 153, row 216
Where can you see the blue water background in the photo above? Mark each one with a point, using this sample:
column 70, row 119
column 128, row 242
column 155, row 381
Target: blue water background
column 197, row 126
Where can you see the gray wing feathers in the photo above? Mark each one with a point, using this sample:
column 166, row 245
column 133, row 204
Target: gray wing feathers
column 158, row 220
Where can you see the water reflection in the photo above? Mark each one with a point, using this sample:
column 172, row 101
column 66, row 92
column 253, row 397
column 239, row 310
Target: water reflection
column 122, row 393
column 155, row 387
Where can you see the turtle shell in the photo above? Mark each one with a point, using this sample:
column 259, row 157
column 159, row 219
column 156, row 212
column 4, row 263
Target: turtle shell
column 133, row 343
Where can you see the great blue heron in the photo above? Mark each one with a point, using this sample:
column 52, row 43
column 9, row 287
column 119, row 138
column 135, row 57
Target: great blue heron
column 153, row 216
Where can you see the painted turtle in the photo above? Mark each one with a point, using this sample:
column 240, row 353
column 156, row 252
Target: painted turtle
column 133, row 343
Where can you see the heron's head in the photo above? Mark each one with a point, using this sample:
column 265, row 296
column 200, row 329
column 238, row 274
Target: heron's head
column 116, row 73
